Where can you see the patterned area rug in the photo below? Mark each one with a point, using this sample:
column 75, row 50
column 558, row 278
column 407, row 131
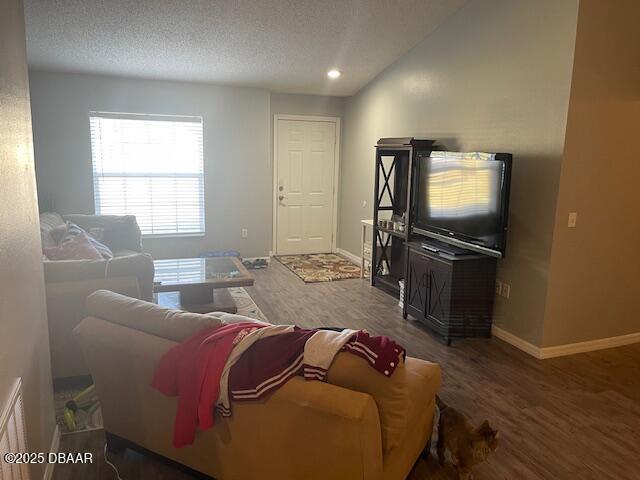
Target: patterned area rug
column 320, row 267
column 246, row 305
column 89, row 414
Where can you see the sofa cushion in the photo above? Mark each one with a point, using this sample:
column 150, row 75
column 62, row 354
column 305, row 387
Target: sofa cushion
column 148, row 317
column 139, row 265
column 78, row 248
column 389, row 393
column 118, row 232
column 48, row 222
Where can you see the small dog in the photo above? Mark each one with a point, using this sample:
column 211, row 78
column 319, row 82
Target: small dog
column 466, row 445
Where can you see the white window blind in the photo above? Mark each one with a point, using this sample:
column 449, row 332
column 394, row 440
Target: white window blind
column 150, row 166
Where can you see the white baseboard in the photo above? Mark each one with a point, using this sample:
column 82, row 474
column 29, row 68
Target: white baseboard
column 589, row 346
column 564, row 350
column 55, row 446
column 516, row 341
column 354, row 258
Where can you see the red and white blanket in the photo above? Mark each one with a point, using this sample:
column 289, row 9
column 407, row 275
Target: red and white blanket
column 247, row 361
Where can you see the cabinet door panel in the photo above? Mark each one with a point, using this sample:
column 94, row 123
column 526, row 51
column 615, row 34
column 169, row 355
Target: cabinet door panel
column 417, row 285
column 439, row 291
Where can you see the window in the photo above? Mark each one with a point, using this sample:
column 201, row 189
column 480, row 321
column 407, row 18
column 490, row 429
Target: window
column 149, row 166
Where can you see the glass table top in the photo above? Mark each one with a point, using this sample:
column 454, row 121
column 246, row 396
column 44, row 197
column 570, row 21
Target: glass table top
column 186, row 271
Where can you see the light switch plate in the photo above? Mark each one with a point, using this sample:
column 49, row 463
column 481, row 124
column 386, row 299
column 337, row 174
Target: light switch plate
column 573, row 218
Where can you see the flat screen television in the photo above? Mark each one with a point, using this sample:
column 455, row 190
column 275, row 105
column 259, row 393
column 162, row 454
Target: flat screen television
column 464, row 201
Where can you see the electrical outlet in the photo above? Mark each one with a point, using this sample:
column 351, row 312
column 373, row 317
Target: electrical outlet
column 506, row 290
column 573, row 218
column 498, row 287
column 245, row 233
column 364, row 204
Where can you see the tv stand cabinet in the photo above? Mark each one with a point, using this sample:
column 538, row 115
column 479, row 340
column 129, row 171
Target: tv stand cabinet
column 452, row 295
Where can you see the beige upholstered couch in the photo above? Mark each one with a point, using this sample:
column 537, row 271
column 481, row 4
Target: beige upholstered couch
column 69, row 282
column 358, row 425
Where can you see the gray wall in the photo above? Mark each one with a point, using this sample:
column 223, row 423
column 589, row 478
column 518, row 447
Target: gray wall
column 238, row 138
column 306, row 105
column 236, row 151
column 494, row 77
column 24, row 339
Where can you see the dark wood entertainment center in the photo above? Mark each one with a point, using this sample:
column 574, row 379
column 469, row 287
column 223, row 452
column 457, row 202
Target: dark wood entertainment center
column 451, row 292
column 452, row 295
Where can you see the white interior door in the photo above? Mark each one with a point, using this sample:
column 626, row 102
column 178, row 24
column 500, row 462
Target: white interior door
column 305, row 166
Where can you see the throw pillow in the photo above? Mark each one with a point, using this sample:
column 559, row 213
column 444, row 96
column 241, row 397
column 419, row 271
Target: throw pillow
column 58, row 233
column 48, row 222
column 68, row 231
column 78, row 248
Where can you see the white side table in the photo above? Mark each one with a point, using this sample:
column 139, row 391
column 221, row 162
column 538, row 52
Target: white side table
column 363, row 256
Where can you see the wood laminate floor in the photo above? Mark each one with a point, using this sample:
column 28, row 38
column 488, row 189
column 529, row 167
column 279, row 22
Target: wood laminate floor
column 574, row 417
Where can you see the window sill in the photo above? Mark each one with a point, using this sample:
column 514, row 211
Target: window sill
column 152, row 236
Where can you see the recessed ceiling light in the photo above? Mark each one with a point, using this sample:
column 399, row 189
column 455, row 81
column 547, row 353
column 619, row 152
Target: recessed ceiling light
column 334, row 73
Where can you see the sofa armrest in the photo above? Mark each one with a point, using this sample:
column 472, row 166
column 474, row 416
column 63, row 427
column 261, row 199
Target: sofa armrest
column 307, row 429
column 316, row 431
column 139, row 266
column 120, row 232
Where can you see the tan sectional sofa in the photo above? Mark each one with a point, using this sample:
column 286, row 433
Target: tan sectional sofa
column 306, row 430
column 69, row 282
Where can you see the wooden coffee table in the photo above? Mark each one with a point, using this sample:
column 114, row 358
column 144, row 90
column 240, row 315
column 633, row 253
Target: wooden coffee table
column 201, row 283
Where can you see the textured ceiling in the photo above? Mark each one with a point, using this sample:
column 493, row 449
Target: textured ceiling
column 282, row 45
